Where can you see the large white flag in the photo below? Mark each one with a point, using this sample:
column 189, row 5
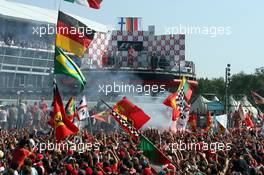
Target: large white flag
column 222, row 119
column 82, row 109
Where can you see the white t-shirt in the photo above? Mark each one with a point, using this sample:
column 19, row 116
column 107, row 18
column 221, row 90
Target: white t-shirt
column 3, row 116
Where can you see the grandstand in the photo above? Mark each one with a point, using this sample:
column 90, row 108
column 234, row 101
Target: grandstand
column 26, row 59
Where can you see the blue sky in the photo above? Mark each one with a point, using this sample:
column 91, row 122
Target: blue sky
column 243, row 48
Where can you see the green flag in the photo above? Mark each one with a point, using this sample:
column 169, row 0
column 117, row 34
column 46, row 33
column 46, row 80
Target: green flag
column 155, row 156
column 63, row 64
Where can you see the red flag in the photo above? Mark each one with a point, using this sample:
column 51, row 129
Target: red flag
column 133, row 113
column 193, row 121
column 248, row 121
column 135, row 20
column 209, row 121
column 51, row 120
column 96, row 4
column 175, row 114
column 126, row 125
column 171, row 100
column 245, row 116
column 63, row 126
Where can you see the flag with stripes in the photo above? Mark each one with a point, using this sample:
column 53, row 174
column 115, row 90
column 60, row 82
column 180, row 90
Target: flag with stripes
column 72, row 35
column 96, row 4
column 130, row 24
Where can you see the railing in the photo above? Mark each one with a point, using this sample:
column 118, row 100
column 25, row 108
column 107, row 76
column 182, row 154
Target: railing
column 30, row 57
column 139, row 64
column 28, row 61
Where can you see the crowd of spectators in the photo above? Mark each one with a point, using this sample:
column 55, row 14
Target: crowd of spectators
column 114, row 152
column 25, row 42
column 23, row 115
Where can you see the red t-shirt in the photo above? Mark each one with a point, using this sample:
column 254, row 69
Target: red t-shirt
column 100, row 173
column 89, row 171
column 147, row 171
column 19, row 155
column 114, row 167
column 70, row 168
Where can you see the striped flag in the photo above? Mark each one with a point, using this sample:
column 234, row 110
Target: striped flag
column 130, row 24
column 72, row 35
column 96, row 4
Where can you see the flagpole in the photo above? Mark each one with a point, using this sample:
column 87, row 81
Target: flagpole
column 59, row 5
column 106, row 104
column 54, row 86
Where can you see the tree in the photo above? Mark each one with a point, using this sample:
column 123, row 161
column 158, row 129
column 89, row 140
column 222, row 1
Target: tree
column 240, row 83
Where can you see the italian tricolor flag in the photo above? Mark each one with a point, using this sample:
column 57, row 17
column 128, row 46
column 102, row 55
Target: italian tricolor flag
column 89, row 3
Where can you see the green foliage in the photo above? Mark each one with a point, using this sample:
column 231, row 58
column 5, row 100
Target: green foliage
column 241, row 83
column 213, row 86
